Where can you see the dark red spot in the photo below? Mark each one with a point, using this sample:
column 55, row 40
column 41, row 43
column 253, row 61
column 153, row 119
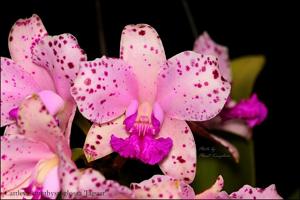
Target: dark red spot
column 216, row 74
column 180, row 159
column 105, row 73
column 70, row 65
column 186, row 179
column 103, row 101
column 142, row 32
column 10, row 38
column 99, row 137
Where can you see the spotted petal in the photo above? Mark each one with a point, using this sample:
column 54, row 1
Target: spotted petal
column 214, row 191
column 61, row 56
column 162, row 187
column 19, row 156
column 104, row 88
column 24, row 35
column 16, row 84
column 97, row 143
column 141, row 48
column 87, row 184
column 35, row 122
column 248, row 192
column 181, row 161
column 205, row 45
column 190, row 87
column 92, row 180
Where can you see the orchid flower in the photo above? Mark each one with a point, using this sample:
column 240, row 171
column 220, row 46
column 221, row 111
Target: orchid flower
column 236, row 117
column 156, row 96
column 87, row 183
column 165, row 187
column 40, row 64
column 29, row 160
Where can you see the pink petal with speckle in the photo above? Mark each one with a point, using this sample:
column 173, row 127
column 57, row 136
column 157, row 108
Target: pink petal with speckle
column 24, row 35
column 248, row 192
column 65, row 118
column 141, row 48
column 97, row 143
column 35, row 122
column 214, row 191
column 75, row 184
column 19, row 156
column 190, row 87
column 205, row 45
column 181, row 161
column 104, row 88
column 61, row 56
column 162, row 187
column 16, row 84
column 11, row 129
column 52, row 101
column 92, row 180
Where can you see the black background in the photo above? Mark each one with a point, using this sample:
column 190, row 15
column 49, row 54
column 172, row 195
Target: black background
column 246, row 28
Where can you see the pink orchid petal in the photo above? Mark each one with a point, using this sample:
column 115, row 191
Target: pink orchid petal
column 162, row 187
column 87, row 184
column 214, row 191
column 205, row 45
column 19, row 156
column 17, row 192
column 52, row 101
column 92, row 180
column 68, row 173
column 141, row 48
column 181, row 161
column 97, row 143
column 104, row 88
column 24, row 35
column 248, row 192
column 51, row 185
column 35, row 122
column 11, row 129
column 251, row 110
column 61, row 56
column 190, row 87
column 66, row 117
column 237, row 127
column 16, row 84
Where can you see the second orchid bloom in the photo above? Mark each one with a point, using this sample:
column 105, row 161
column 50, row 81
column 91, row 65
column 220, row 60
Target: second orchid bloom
column 140, row 101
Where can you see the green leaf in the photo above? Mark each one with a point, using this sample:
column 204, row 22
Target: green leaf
column 211, row 164
column 244, row 73
column 77, row 153
column 295, row 195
